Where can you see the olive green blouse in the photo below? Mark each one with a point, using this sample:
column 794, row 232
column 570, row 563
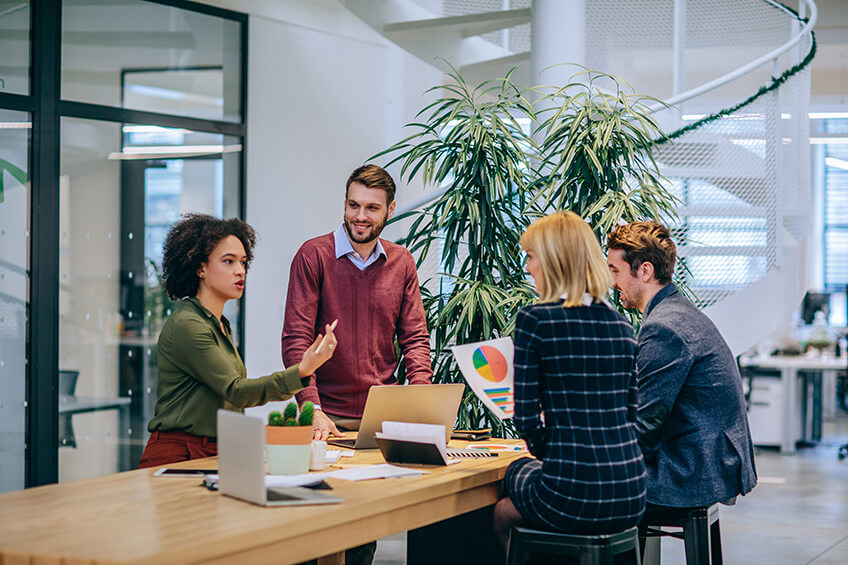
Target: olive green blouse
column 201, row 371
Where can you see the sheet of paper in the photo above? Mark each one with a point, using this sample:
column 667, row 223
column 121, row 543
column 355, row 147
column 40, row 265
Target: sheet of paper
column 496, row 447
column 382, row 471
column 487, row 367
column 365, row 472
column 305, row 479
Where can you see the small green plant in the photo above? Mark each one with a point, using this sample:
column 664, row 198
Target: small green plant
column 289, row 416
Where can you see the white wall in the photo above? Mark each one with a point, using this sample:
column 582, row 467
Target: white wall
column 324, row 94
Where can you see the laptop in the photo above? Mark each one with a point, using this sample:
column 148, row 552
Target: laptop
column 418, row 404
column 241, row 465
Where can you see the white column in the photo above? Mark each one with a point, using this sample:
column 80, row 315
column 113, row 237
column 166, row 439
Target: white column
column 679, row 49
column 559, row 36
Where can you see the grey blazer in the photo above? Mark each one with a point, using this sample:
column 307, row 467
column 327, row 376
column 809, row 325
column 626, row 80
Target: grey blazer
column 692, row 424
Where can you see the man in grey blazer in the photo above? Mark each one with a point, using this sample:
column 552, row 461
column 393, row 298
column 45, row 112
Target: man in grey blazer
column 691, row 422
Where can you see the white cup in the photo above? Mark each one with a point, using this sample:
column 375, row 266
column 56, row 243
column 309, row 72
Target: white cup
column 319, row 455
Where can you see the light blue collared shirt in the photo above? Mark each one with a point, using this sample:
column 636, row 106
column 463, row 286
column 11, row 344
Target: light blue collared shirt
column 343, row 247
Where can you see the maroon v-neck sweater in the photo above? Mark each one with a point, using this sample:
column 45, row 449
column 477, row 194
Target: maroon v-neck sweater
column 372, row 307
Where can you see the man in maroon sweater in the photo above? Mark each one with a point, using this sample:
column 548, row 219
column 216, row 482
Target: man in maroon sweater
column 370, row 286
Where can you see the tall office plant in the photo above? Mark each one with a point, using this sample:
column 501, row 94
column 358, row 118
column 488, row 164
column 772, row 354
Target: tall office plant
column 596, row 154
column 593, row 157
column 596, row 158
column 471, row 140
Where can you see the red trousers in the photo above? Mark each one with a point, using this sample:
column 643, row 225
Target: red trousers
column 171, row 447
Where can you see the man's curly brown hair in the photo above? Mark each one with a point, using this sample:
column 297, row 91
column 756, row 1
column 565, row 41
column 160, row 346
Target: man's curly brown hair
column 189, row 243
column 646, row 242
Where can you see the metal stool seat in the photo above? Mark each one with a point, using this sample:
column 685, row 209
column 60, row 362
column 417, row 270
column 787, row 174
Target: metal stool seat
column 588, row 549
column 701, row 534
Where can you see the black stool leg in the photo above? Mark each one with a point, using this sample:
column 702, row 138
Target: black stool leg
column 715, row 544
column 637, row 554
column 696, row 539
column 595, row 556
column 515, row 552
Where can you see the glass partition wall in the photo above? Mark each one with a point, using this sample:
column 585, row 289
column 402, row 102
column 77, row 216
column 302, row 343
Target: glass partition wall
column 121, row 187
column 15, row 130
column 147, row 110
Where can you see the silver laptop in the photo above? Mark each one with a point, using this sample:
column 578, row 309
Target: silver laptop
column 241, row 465
column 418, row 404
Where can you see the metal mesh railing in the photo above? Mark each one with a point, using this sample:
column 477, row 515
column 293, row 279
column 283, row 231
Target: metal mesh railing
column 741, row 176
column 738, row 159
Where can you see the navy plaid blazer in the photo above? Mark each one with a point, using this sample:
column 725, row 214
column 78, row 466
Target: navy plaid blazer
column 575, row 403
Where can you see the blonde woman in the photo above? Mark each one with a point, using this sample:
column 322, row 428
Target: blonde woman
column 575, row 393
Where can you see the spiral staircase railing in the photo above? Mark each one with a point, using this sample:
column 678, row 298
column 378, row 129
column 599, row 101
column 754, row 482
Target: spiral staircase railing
column 737, row 149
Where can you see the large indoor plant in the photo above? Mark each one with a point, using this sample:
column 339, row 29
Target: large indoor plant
column 596, row 153
column 473, row 141
column 592, row 156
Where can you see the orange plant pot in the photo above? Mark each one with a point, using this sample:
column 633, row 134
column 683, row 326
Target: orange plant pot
column 288, row 449
column 288, row 435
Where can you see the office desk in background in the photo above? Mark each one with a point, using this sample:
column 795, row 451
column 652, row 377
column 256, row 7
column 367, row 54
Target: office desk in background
column 136, row 518
column 70, row 404
column 791, row 404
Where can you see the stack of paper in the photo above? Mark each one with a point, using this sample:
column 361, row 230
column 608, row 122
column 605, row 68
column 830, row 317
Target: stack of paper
column 365, row 472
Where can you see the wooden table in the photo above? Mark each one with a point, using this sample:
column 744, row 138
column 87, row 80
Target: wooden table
column 133, row 517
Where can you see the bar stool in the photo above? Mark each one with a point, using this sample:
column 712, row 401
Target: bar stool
column 590, row 550
column 701, row 534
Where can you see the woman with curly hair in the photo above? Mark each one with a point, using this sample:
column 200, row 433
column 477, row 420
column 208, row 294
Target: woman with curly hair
column 205, row 263
column 575, row 393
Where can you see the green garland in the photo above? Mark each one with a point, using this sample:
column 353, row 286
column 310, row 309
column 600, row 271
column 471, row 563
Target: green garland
column 775, row 83
column 16, row 172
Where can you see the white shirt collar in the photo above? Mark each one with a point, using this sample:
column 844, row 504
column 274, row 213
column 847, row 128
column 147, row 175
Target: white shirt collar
column 587, row 298
column 344, row 247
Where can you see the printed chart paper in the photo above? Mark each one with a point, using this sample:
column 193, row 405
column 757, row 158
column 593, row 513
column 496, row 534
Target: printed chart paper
column 488, row 370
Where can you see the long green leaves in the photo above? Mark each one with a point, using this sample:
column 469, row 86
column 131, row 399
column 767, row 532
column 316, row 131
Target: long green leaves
column 593, row 158
column 596, row 155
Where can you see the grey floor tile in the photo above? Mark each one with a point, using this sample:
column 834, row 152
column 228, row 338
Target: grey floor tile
column 837, row 555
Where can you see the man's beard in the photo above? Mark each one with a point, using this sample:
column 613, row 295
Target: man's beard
column 376, row 230
column 628, row 300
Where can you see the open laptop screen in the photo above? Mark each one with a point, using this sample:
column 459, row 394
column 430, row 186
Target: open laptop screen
column 418, row 404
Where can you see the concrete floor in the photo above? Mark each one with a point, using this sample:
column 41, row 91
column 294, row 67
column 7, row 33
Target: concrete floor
column 797, row 514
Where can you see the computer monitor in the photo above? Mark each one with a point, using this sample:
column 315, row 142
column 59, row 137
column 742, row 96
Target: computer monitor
column 815, row 302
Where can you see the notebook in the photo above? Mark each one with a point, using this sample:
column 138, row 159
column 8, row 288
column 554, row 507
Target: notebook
column 241, row 465
column 418, row 404
column 424, row 444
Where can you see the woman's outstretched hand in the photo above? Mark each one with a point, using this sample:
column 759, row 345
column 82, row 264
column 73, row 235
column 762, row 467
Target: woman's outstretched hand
column 320, row 351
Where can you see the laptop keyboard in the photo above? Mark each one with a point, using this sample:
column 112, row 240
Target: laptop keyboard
column 274, row 495
column 341, row 442
column 456, row 452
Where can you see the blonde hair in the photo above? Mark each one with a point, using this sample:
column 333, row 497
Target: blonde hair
column 570, row 258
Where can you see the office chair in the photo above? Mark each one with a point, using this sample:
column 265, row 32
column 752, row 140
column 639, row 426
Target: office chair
column 843, row 389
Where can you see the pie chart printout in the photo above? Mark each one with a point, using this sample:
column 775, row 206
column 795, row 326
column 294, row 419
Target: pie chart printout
column 487, row 368
column 490, row 363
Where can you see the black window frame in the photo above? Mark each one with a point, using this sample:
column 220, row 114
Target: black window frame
column 46, row 108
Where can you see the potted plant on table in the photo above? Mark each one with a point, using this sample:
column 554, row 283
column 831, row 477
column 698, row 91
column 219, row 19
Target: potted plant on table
column 288, row 439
